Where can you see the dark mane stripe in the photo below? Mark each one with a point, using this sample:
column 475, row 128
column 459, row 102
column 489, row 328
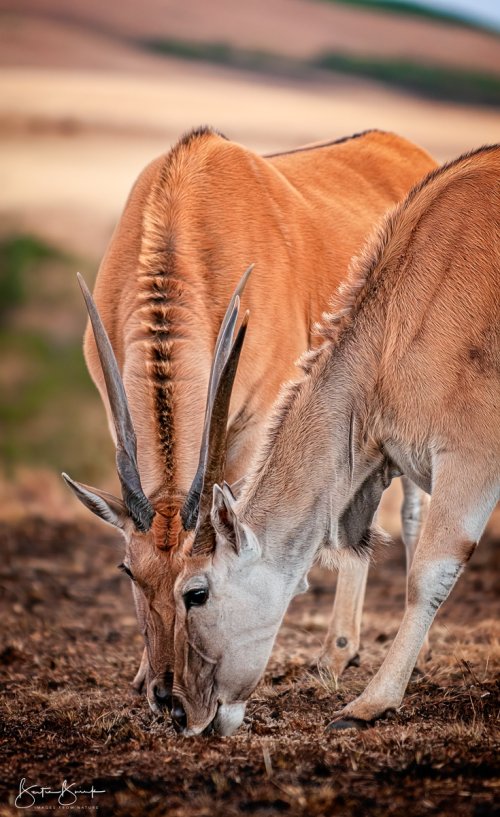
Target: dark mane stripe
column 163, row 301
column 196, row 133
column 320, row 145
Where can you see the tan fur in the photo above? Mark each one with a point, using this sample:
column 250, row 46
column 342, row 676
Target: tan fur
column 397, row 296
column 193, row 222
column 412, row 367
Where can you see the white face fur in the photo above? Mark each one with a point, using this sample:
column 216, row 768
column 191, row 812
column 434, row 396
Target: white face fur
column 229, row 607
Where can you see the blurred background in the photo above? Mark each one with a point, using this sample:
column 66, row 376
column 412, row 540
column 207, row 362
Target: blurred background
column 90, row 91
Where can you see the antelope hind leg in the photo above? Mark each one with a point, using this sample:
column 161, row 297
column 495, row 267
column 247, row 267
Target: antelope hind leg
column 456, row 519
column 341, row 647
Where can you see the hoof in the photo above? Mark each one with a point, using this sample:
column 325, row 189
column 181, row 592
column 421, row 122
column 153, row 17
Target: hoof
column 367, row 716
column 347, row 723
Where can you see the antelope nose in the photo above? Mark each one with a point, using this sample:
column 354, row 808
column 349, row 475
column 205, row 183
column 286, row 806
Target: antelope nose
column 162, row 693
column 179, row 717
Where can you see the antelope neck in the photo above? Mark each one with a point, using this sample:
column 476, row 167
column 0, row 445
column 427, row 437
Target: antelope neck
column 316, row 458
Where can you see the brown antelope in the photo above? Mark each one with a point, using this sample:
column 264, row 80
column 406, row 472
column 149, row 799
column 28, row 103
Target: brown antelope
column 406, row 382
column 194, row 221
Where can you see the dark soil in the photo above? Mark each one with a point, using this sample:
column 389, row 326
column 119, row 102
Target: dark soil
column 70, row 647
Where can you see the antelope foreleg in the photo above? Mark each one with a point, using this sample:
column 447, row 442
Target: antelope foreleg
column 454, row 524
column 413, row 515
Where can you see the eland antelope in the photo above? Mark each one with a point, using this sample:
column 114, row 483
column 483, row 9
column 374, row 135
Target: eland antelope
column 196, row 218
column 407, row 381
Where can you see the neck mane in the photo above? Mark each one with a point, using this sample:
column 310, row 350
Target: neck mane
column 170, row 327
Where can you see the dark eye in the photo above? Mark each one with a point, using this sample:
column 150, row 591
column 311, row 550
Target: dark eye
column 126, row 570
column 196, row 597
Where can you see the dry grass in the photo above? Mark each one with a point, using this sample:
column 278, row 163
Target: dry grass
column 70, row 646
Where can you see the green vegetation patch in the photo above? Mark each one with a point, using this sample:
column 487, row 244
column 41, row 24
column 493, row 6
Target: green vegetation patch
column 219, row 53
column 434, row 81
column 50, row 412
column 429, row 80
column 18, row 254
column 47, row 387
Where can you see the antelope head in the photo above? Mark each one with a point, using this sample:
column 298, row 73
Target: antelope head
column 230, row 602
column 229, row 598
column 158, row 532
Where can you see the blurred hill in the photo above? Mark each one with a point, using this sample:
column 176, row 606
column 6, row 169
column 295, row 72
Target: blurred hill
column 293, row 28
column 90, row 92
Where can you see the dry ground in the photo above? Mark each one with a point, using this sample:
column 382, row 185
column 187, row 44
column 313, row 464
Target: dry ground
column 82, row 110
column 70, row 646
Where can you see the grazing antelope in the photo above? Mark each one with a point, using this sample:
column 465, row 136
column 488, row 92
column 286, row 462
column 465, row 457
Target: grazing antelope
column 406, row 382
column 194, row 221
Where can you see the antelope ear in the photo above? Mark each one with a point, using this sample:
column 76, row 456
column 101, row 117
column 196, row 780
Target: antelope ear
column 227, row 524
column 236, row 487
column 108, row 507
column 222, row 515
